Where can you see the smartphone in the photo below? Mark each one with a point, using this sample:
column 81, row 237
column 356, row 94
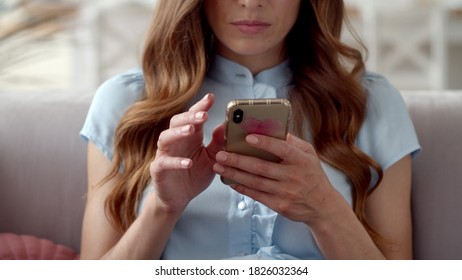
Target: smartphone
column 268, row 116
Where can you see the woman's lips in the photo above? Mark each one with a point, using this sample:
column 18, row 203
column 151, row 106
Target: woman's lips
column 251, row 27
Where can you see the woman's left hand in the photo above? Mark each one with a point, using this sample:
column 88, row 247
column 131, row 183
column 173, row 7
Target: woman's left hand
column 294, row 187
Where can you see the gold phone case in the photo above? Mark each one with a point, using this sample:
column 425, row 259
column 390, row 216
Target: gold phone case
column 255, row 116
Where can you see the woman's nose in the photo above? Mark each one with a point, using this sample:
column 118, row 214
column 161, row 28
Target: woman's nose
column 251, row 3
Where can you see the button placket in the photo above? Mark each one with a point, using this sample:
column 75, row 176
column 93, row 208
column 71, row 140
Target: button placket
column 241, row 205
column 239, row 218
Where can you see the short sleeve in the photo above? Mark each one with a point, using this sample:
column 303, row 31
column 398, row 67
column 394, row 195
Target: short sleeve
column 109, row 104
column 387, row 134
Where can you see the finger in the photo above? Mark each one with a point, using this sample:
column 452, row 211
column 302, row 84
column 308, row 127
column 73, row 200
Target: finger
column 169, row 137
column 300, row 144
column 196, row 115
column 218, row 141
column 270, row 200
column 252, row 181
column 204, row 104
column 260, row 196
column 195, row 118
column 170, row 163
column 251, row 165
column 274, row 202
column 285, row 150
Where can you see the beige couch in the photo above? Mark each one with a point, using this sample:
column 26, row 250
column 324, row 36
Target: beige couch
column 43, row 173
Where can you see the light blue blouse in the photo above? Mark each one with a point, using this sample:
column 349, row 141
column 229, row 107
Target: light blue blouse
column 221, row 223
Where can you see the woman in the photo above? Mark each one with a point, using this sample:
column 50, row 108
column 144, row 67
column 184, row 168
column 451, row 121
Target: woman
column 342, row 189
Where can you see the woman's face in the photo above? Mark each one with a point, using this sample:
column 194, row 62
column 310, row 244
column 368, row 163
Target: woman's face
column 251, row 31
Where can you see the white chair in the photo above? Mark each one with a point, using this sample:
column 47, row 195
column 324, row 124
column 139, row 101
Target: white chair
column 406, row 41
column 411, row 45
column 109, row 38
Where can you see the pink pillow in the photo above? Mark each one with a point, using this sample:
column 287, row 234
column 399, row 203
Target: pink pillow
column 26, row 247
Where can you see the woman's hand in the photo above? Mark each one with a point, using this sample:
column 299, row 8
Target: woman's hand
column 182, row 168
column 295, row 187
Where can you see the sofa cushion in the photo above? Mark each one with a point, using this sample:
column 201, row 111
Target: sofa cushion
column 27, row 247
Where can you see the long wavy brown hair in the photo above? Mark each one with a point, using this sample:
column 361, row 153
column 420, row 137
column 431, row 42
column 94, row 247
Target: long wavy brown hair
column 326, row 92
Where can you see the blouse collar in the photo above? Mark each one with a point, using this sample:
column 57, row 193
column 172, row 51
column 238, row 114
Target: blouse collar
column 227, row 71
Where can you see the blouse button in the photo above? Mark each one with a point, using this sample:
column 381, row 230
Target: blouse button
column 241, row 206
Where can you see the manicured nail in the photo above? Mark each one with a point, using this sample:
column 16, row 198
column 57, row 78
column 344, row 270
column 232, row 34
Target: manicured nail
column 218, row 168
column 186, row 128
column 252, row 139
column 199, row 115
column 185, row 162
column 222, row 156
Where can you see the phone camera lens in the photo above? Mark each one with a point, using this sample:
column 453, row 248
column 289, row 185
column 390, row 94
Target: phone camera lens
column 238, row 115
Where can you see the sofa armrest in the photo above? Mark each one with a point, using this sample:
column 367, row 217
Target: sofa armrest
column 43, row 164
column 437, row 187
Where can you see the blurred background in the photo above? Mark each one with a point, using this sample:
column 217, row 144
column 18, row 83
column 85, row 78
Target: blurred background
column 76, row 45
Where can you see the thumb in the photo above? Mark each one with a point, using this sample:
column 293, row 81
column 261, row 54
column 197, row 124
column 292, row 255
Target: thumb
column 217, row 143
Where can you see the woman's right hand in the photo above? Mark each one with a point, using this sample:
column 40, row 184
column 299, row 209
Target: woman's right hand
column 182, row 168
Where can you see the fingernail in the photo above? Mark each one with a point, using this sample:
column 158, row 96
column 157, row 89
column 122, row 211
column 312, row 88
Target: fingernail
column 185, row 162
column 199, row 115
column 206, row 97
column 186, row 128
column 252, row 139
column 218, row 168
column 222, row 156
